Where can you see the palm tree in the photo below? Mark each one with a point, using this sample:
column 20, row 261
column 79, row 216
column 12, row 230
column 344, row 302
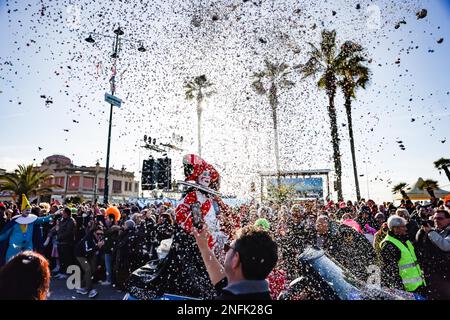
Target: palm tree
column 443, row 164
column 198, row 89
column 354, row 74
column 400, row 188
column 269, row 82
column 26, row 180
column 429, row 185
column 328, row 62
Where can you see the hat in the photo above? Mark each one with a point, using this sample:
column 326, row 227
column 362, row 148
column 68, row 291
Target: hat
column 261, row 222
column 25, row 204
column 193, row 166
column 130, row 224
column 447, row 198
column 342, row 205
column 2, row 205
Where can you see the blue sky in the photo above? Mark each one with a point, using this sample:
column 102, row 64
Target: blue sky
column 43, row 53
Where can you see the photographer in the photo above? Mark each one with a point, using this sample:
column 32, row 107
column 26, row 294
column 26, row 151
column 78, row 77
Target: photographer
column 435, row 245
column 248, row 261
column 86, row 252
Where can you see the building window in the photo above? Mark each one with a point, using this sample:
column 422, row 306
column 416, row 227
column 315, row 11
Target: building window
column 117, row 186
column 48, row 182
column 88, row 183
column 60, row 182
column 126, row 186
column 136, row 187
column 74, row 183
column 101, row 184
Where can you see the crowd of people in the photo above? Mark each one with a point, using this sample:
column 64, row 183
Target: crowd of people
column 410, row 243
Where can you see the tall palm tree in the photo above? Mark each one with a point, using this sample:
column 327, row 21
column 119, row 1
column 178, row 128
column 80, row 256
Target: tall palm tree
column 26, row 180
column 199, row 88
column 328, row 62
column 269, row 82
column 429, row 185
column 401, row 188
column 354, row 75
column 443, row 164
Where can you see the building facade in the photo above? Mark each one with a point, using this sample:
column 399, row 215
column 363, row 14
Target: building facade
column 88, row 182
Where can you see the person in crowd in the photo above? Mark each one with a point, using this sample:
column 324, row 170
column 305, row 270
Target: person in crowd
column 249, row 259
column 111, row 236
column 347, row 220
column 22, row 233
column 400, row 268
column 298, row 235
column 3, row 216
column 165, row 227
column 87, row 252
column 346, row 245
column 25, row 277
column 435, row 254
column 378, row 238
column 125, row 262
column 411, row 224
column 65, row 230
column 380, row 218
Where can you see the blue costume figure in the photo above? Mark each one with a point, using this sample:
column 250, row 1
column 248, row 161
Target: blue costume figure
column 21, row 233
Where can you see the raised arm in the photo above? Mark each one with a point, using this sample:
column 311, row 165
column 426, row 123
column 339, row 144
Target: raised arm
column 439, row 241
column 215, row 270
column 45, row 219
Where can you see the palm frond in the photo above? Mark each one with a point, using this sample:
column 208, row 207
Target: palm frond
column 311, row 68
column 259, row 87
column 441, row 163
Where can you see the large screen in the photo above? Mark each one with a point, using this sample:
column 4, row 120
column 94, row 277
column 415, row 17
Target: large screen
column 304, row 187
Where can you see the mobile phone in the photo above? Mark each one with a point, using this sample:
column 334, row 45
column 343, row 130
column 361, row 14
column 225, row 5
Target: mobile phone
column 197, row 219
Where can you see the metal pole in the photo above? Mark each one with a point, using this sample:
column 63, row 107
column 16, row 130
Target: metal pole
column 367, row 181
column 113, row 89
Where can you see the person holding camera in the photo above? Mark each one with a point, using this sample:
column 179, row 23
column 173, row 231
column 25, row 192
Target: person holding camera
column 249, row 259
column 86, row 252
column 435, row 251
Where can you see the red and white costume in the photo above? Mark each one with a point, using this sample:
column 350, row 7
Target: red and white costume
column 197, row 166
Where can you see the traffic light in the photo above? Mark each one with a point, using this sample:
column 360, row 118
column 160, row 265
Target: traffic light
column 148, row 179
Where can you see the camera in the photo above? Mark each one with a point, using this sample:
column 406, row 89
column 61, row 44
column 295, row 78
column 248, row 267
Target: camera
column 427, row 223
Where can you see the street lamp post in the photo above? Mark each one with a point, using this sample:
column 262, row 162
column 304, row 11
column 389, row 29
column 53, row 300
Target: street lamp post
column 116, row 45
column 118, row 33
column 97, row 167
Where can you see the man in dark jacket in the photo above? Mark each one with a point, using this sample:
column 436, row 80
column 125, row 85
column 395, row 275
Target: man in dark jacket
column 125, row 256
column 411, row 224
column 111, row 238
column 435, row 254
column 294, row 240
column 86, row 252
column 65, row 235
column 248, row 261
column 346, row 245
